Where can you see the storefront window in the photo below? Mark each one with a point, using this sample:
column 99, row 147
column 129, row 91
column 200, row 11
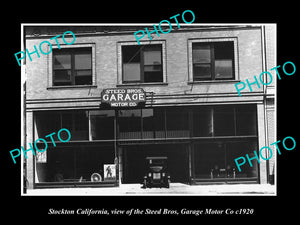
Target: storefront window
column 246, row 120
column 130, row 124
column 153, row 123
column 216, row 160
column 148, row 123
column 75, row 121
column 224, row 121
column 207, row 157
column 75, row 164
column 177, row 122
column 102, row 124
column 237, row 149
column 47, row 123
column 203, row 122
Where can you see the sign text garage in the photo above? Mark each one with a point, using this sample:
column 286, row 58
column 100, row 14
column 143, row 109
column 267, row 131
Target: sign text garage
column 123, row 97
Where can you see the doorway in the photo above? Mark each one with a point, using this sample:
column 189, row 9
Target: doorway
column 134, row 161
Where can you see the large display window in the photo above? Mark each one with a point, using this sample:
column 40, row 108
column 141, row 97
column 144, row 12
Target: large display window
column 76, row 164
column 215, row 160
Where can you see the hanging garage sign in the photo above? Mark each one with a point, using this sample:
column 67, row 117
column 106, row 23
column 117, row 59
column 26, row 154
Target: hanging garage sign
column 123, row 97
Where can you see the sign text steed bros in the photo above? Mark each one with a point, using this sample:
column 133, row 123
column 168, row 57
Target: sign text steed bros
column 123, row 97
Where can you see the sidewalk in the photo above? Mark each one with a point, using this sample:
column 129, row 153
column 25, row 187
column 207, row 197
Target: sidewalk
column 175, row 189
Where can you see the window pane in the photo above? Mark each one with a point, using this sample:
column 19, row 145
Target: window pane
column 62, row 77
column 201, row 53
column 215, row 161
column 202, row 71
column 224, row 58
column 60, row 165
column 102, row 124
column 83, row 67
column 62, row 69
column 246, row 120
column 203, row 121
column 74, row 164
column 89, row 160
column 77, row 123
column 83, row 80
column 62, row 61
column 148, row 125
column 153, row 123
column 152, row 58
column 159, row 122
column 131, row 72
column 209, row 160
column 130, row 124
column 177, row 122
column 224, row 50
column 238, row 149
column 224, row 121
column 223, row 68
column 131, row 54
column 152, row 63
column 155, row 76
column 83, row 61
column 47, row 123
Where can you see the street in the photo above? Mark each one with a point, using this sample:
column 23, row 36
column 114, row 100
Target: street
column 175, row 189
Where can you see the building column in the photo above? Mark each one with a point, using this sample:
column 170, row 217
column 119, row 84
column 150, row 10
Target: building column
column 262, row 142
column 30, row 156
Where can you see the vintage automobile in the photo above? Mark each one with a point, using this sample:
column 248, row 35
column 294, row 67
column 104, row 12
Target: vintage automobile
column 157, row 173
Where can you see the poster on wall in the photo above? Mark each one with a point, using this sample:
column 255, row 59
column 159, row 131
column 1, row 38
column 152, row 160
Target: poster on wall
column 109, row 172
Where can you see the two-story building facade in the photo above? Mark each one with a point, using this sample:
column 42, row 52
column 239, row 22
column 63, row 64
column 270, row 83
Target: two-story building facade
column 192, row 112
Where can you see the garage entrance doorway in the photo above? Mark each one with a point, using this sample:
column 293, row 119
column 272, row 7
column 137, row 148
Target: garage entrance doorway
column 134, row 161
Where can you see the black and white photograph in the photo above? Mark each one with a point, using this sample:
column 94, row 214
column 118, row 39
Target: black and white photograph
column 163, row 109
column 167, row 113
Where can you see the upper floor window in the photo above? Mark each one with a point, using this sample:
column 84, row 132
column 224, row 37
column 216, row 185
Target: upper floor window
column 72, row 66
column 142, row 63
column 213, row 61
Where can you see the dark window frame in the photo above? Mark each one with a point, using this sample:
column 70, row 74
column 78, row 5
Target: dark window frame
column 142, row 49
column 72, row 52
column 212, row 61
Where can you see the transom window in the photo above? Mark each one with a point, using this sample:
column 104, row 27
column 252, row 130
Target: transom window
column 213, row 60
column 72, row 66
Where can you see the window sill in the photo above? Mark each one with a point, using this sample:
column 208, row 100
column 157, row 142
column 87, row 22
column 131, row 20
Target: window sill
column 71, row 87
column 142, row 84
column 213, row 81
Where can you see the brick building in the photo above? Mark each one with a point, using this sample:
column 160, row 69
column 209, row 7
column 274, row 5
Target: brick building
column 192, row 113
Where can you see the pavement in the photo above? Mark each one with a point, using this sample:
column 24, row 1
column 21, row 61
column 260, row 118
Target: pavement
column 175, row 189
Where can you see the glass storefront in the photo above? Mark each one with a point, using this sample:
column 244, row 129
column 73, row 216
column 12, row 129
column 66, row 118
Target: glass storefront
column 207, row 139
column 214, row 161
column 75, row 163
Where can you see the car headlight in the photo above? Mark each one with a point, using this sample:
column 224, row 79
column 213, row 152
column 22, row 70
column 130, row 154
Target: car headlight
column 163, row 174
column 149, row 174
